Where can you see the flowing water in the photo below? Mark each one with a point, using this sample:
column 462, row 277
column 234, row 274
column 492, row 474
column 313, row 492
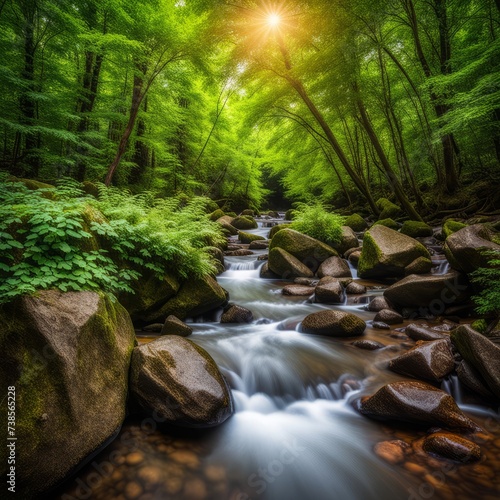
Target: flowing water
column 295, row 434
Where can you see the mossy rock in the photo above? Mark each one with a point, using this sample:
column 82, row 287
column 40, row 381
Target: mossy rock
column 211, row 206
column 356, row 223
column 452, row 226
column 216, row 215
column 416, row 229
column 244, row 222
column 333, row 324
column 90, row 188
column 68, row 355
column 33, row 185
column 248, row 211
column 388, row 210
column 286, row 266
column 480, row 325
column 195, row 297
column 247, row 238
column 277, row 228
column 289, row 214
column 232, row 214
column 308, row 250
column 390, row 223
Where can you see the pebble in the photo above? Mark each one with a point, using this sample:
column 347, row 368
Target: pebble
column 186, row 458
column 134, row 458
column 415, row 468
column 133, row 490
column 150, row 474
column 392, row 452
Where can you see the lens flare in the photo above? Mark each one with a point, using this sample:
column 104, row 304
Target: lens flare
column 273, row 20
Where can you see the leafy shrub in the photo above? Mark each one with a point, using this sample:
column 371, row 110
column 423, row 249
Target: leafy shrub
column 316, row 221
column 63, row 241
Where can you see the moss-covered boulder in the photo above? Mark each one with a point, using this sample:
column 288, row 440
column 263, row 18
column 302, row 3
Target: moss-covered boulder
column 434, row 292
column 465, row 248
column 309, row 251
column 277, row 228
column 286, row 266
column 247, row 238
column 390, row 223
column 244, row 222
column 416, row 229
column 356, row 223
column 216, row 215
column 68, row 356
column 388, row 210
column 179, row 382
column 333, row 324
column 90, row 188
column 387, row 253
column 452, row 226
column 289, row 214
column 195, row 297
column 228, row 228
column 248, row 211
column 217, row 258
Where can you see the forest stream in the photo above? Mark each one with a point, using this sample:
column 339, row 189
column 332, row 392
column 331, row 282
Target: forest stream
column 295, row 434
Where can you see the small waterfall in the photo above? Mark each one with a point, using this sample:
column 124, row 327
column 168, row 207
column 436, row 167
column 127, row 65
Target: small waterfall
column 243, row 266
column 441, row 267
column 354, row 271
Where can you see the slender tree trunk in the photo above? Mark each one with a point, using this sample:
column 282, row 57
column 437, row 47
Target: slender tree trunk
column 141, row 150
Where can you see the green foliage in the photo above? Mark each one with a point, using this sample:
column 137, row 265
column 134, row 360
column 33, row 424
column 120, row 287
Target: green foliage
column 488, row 280
column 317, row 221
column 64, row 242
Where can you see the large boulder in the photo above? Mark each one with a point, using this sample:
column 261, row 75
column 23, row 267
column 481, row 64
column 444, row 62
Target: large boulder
column 428, row 360
column 236, row 314
column 416, row 229
column 286, row 266
column 277, row 228
column 308, row 250
column 464, row 249
column 472, row 379
column 481, row 353
column 435, row 292
column 388, row 316
column 348, row 240
column 67, row 355
column 356, row 223
column 335, row 267
column 387, row 208
column 195, row 297
column 244, row 222
column 452, row 226
column 334, row 324
column 329, row 291
column 420, row 332
column 247, row 238
column 179, row 382
column 416, row 403
column 387, row 253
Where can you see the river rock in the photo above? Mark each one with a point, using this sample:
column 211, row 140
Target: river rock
column 308, row 250
column 297, row 290
column 335, row 267
column 334, row 324
column 472, row 379
column 393, row 452
column 354, row 288
column 306, row 281
column 356, row 223
column 180, row 382
column 419, row 332
column 286, row 266
column 329, row 291
column 452, row 446
column 377, row 304
column 174, row 326
column 247, row 238
column 416, row 229
column 259, row 245
column 239, row 253
column 481, row 353
column 348, row 240
column 387, row 253
column 428, row 360
column 68, row 356
column 277, row 228
column 434, row 292
column 244, row 222
column 266, row 273
column 236, row 314
column 388, row 316
column 387, row 208
column 195, row 297
column 369, row 345
column 380, row 325
column 153, row 328
column 217, row 258
column 354, row 257
column 225, row 222
column 464, row 249
column 418, row 403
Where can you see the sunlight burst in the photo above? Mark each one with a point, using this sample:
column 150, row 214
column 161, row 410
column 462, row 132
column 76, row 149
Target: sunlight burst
column 273, row 20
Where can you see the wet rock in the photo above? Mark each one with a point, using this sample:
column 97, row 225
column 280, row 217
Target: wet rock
column 481, row 353
column 356, row 223
column 434, row 292
column 393, row 452
column 174, row 326
column 388, row 316
column 247, row 238
column 276, row 229
column 68, row 356
column 308, row 250
column 452, row 226
column 453, row 447
column 465, row 248
column 379, row 325
column 369, row 345
column 306, row 281
column 334, row 267
column 472, row 379
column 418, row 403
column 236, row 314
column 387, row 208
column 263, row 257
column 387, row 253
column 428, row 360
column 298, row 290
column 378, row 304
column 238, row 253
column 416, row 229
column 354, row 257
column 419, row 332
column 179, row 380
column 266, row 273
column 418, row 266
column 348, row 240
column 355, row 289
column 225, row 222
column 153, row 328
column 286, row 266
column 334, row 324
column 390, row 223
column 244, row 222
column 329, row 291
column 259, row 245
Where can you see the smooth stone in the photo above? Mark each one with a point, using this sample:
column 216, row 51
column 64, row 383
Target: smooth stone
column 335, row 267
column 236, row 314
column 418, row 332
column 453, row 447
column 369, row 345
column 297, row 290
column 355, row 289
column 329, row 291
column 378, row 304
column 333, row 323
column 379, row 325
column 174, row 326
column 393, row 452
column 389, row 317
